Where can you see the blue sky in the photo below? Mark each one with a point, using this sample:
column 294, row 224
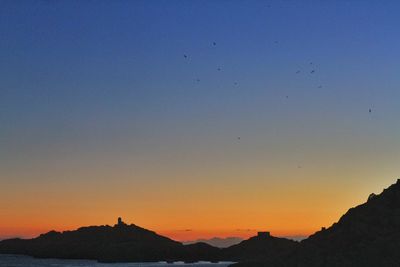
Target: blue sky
column 94, row 87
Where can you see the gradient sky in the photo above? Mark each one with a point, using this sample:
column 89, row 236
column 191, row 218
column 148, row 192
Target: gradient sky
column 101, row 115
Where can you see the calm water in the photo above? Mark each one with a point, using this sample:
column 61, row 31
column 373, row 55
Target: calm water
column 24, row 261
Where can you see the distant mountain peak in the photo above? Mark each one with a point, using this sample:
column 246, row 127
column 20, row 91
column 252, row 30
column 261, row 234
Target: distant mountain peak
column 218, row 241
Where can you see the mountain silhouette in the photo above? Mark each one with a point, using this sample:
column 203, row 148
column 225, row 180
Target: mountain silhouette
column 260, row 247
column 121, row 242
column 218, row 242
column 367, row 235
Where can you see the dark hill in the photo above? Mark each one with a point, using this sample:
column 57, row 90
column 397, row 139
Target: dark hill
column 260, row 247
column 105, row 243
column 367, row 235
column 108, row 244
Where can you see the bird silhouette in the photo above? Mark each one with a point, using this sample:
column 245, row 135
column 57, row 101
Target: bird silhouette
column 320, row 86
column 214, row 43
column 312, row 71
column 218, row 69
column 185, row 56
column 370, row 110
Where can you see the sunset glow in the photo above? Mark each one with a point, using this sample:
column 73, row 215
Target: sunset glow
column 195, row 119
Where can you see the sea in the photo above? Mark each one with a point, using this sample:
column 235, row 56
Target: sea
column 25, row 261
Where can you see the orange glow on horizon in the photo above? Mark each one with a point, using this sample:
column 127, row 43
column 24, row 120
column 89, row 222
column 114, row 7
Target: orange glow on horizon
column 221, row 210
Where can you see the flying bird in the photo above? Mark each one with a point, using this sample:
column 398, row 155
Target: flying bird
column 297, row 72
column 214, row 43
column 185, row 56
column 219, row 69
column 370, row 110
column 312, row 71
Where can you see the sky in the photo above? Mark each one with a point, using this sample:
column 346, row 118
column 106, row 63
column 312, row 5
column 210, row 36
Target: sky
column 195, row 118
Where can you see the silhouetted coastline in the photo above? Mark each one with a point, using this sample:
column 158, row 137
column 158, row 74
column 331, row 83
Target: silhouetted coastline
column 367, row 235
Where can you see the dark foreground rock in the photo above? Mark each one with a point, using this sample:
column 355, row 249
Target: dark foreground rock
column 108, row 244
column 367, row 235
column 260, row 248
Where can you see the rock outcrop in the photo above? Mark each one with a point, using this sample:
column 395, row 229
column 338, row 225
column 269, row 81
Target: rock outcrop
column 367, row 235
